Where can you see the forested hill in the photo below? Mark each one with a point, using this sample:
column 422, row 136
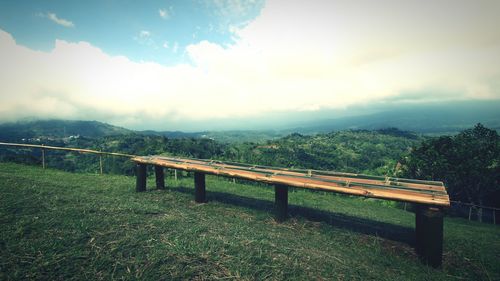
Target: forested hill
column 373, row 152
column 57, row 129
column 60, row 129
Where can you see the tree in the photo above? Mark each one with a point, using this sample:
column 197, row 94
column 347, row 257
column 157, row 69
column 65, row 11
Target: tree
column 468, row 163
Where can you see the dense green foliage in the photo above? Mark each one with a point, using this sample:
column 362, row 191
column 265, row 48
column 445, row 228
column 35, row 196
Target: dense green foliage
column 57, row 129
column 373, row 152
column 74, row 226
column 234, row 136
column 468, row 163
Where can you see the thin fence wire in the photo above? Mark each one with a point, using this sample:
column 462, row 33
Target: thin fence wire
column 43, row 147
column 58, row 150
column 473, row 212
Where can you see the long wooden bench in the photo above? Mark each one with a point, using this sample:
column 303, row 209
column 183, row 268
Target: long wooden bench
column 430, row 197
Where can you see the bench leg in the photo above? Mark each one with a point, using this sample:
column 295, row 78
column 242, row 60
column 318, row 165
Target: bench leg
column 199, row 188
column 160, row 177
column 281, row 202
column 140, row 171
column 429, row 235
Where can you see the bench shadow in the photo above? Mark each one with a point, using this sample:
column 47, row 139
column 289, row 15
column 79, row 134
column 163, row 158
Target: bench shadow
column 352, row 223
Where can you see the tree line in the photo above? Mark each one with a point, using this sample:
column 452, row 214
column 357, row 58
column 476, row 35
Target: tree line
column 468, row 162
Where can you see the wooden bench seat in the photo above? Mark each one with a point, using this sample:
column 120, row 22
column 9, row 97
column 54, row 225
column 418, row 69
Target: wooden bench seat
column 430, row 196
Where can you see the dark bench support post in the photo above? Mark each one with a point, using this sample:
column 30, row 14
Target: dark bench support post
column 281, row 202
column 140, row 170
column 199, row 187
column 160, row 178
column 429, row 235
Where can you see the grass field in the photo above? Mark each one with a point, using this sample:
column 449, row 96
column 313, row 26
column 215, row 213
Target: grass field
column 64, row 226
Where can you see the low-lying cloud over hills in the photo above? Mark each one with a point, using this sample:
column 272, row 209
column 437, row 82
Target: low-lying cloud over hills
column 300, row 58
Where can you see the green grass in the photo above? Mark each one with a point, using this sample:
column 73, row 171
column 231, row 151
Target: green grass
column 64, row 226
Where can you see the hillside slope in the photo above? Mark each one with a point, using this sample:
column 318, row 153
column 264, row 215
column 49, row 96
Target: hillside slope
column 57, row 129
column 369, row 152
column 64, row 226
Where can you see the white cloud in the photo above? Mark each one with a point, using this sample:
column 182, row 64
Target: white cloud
column 297, row 57
column 165, row 13
column 78, row 80
column 144, row 34
column 145, row 38
column 53, row 17
column 331, row 54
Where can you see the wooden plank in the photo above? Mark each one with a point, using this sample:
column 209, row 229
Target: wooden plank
column 255, row 176
column 411, row 192
column 386, row 181
column 389, row 181
column 297, row 171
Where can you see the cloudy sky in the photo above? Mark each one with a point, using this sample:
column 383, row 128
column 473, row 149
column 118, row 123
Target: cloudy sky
column 183, row 64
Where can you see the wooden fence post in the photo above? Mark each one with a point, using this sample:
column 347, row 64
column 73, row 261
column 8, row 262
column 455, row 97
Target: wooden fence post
column 175, row 174
column 281, row 202
column 160, row 177
column 199, row 187
column 141, row 176
column 429, row 235
column 43, row 157
column 100, row 162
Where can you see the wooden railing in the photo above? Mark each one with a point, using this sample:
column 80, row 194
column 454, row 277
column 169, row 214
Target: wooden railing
column 80, row 150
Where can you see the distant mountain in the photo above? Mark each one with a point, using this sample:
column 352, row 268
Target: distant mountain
column 436, row 119
column 229, row 136
column 427, row 119
column 172, row 134
column 57, row 129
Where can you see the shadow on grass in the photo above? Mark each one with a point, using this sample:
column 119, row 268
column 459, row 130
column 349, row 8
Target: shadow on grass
column 361, row 225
